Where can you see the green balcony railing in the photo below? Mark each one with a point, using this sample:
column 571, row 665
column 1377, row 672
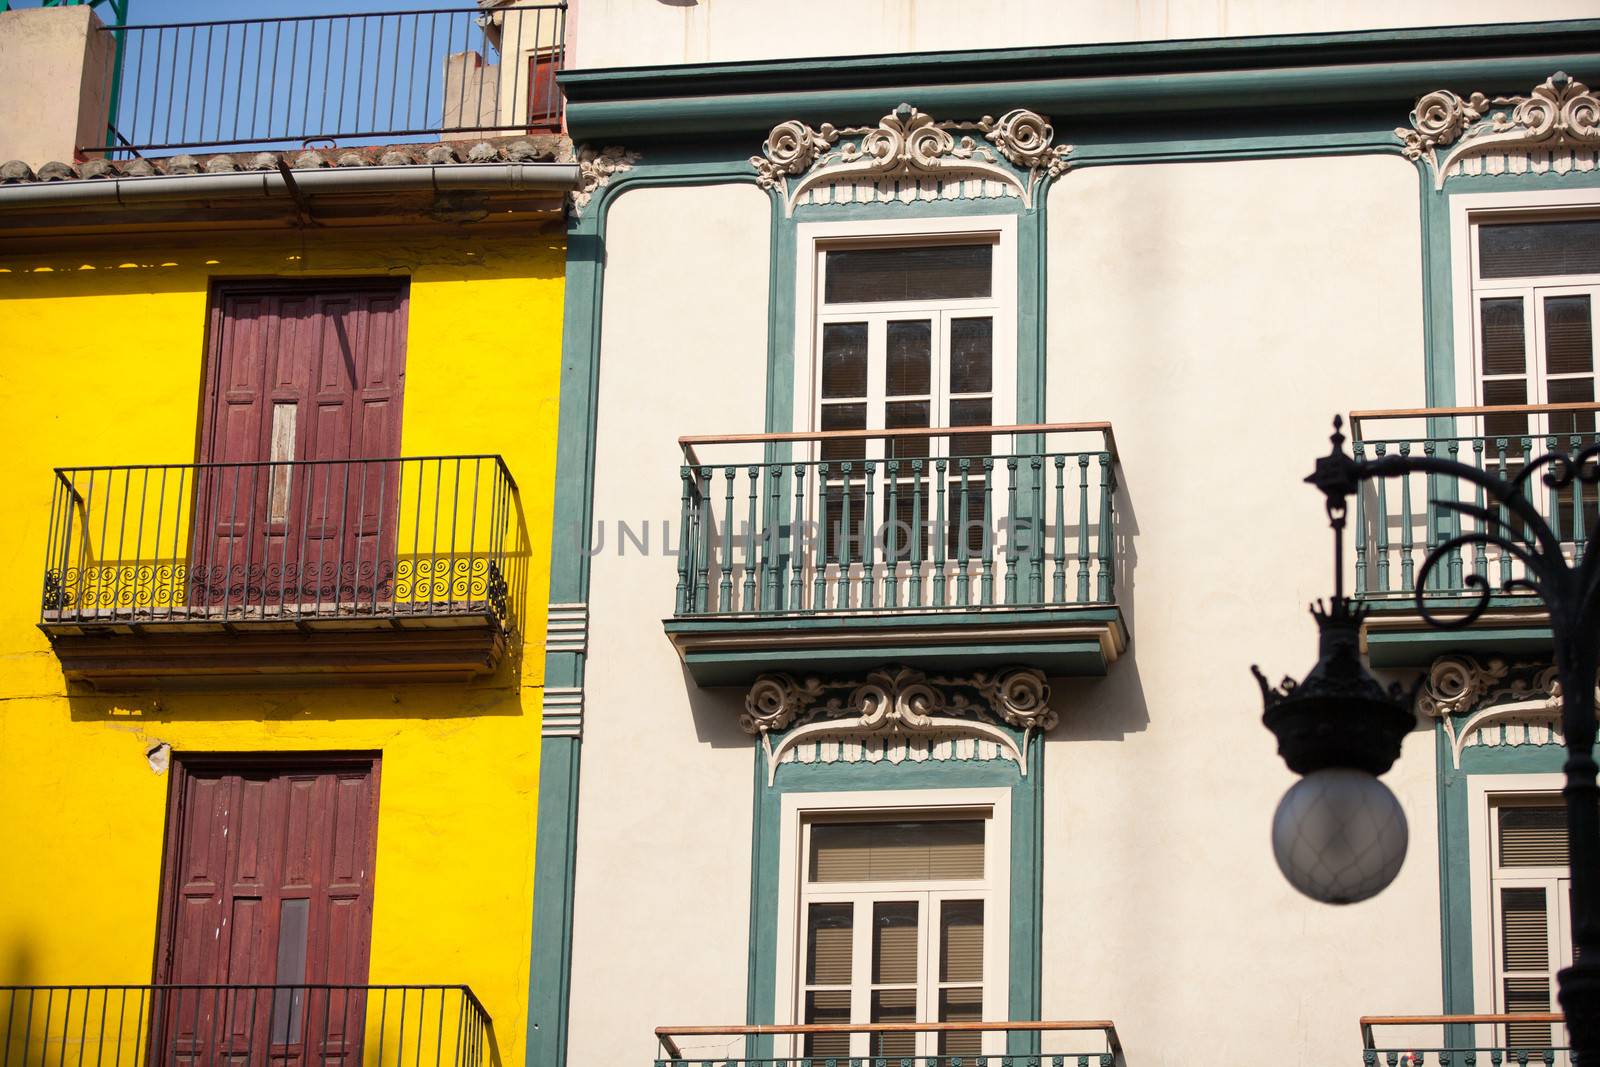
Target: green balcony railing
column 1075, row 1043
column 1398, row 522
column 898, row 520
column 1536, row 1039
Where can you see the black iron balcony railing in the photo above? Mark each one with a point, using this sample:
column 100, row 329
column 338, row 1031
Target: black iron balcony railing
column 1398, row 524
column 871, row 520
column 139, row 1025
column 348, row 79
column 1076, row 1043
column 1516, row 1040
column 290, row 542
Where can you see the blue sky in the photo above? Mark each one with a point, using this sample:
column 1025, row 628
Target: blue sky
column 206, row 10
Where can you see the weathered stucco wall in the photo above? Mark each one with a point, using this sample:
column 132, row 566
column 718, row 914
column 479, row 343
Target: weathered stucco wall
column 1219, row 315
column 620, row 33
column 103, row 366
column 58, row 81
column 663, row 881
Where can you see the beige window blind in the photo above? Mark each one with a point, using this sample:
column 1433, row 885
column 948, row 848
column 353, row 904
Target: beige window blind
column 1533, row 835
column 940, row 850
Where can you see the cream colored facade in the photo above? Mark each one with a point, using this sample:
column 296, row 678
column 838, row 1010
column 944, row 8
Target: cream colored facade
column 625, row 33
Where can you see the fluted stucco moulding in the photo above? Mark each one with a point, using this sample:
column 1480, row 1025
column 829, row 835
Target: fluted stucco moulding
column 1493, row 702
column 1555, row 127
column 910, row 156
column 596, row 167
column 899, row 702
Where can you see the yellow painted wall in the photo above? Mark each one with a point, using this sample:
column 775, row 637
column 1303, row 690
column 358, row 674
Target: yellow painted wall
column 100, row 363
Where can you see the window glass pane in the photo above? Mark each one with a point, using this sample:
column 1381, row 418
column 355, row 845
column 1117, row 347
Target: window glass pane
column 961, row 941
column 844, row 417
column 972, row 413
column 829, row 944
column 1503, row 336
column 894, row 1006
column 828, row 1006
column 1524, row 249
column 921, row 272
column 904, row 414
column 961, row 1006
column 1568, row 337
column 894, row 942
column 844, row 359
column 288, row 1005
column 896, row 851
column 1571, row 391
column 1513, row 426
column 1526, row 996
column 843, row 539
column 972, row 355
column 1524, row 931
column 1533, row 835
column 910, row 363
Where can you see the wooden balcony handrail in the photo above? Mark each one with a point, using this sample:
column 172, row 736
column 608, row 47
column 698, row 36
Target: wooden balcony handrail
column 688, row 443
column 666, row 1034
column 1356, row 417
column 1369, row 1021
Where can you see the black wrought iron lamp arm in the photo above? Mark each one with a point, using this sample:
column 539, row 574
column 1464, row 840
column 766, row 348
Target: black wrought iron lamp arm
column 1570, row 591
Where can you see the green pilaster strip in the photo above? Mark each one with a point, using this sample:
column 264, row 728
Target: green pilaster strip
column 550, row 966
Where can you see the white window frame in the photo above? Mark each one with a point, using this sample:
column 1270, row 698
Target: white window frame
column 1466, row 213
column 1485, row 792
column 814, row 238
column 798, row 809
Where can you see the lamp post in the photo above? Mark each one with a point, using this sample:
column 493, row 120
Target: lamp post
column 1339, row 835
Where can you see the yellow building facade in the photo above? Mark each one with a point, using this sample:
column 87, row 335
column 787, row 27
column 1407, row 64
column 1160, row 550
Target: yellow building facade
column 106, row 348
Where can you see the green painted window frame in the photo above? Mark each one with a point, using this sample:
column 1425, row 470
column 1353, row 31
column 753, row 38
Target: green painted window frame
column 1026, row 878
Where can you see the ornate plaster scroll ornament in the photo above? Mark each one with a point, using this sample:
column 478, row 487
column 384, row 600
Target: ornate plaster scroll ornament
column 899, row 701
column 1561, row 114
column 596, row 166
column 909, row 147
column 1493, row 702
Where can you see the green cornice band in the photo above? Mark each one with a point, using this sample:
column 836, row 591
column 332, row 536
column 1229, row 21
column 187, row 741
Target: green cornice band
column 1089, row 81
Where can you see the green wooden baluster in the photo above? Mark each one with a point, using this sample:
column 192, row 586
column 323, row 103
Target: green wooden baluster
column 1407, row 564
column 869, row 538
column 702, row 585
column 752, row 564
column 891, row 550
column 1036, row 531
column 1456, row 562
column 1360, row 450
column 1554, row 496
column 819, row 575
column 988, row 530
column 797, row 546
column 1011, row 530
column 917, row 526
column 1430, row 538
column 1579, row 533
column 1060, row 577
column 1501, row 446
column 1108, row 490
column 842, row 600
column 683, row 546
column 1480, row 553
column 963, row 572
column 1383, row 524
column 1083, row 528
column 725, row 587
column 940, row 530
column 772, row 549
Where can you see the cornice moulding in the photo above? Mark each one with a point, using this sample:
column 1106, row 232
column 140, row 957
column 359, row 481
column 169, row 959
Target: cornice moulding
column 784, row 710
column 1517, row 701
column 1562, row 114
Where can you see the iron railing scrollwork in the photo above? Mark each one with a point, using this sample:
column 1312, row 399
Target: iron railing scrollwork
column 409, row 537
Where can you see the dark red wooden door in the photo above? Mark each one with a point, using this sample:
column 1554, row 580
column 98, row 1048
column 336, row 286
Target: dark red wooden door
column 298, row 375
column 269, row 883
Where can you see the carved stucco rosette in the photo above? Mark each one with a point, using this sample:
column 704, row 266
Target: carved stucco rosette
column 908, row 143
column 899, row 700
column 1469, row 696
column 595, row 168
column 1561, row 113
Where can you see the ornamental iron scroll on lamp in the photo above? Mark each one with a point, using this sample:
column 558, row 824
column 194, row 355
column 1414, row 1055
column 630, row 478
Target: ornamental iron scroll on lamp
column 1339, row 834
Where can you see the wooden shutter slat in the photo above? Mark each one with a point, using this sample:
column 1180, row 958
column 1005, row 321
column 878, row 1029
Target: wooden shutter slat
column 1525, row 930
column 1533, row 836
column 961, row 941
column 898, row 852
column 894, row 942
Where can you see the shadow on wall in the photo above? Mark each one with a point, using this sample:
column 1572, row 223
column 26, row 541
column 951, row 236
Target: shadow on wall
column 326, row 701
